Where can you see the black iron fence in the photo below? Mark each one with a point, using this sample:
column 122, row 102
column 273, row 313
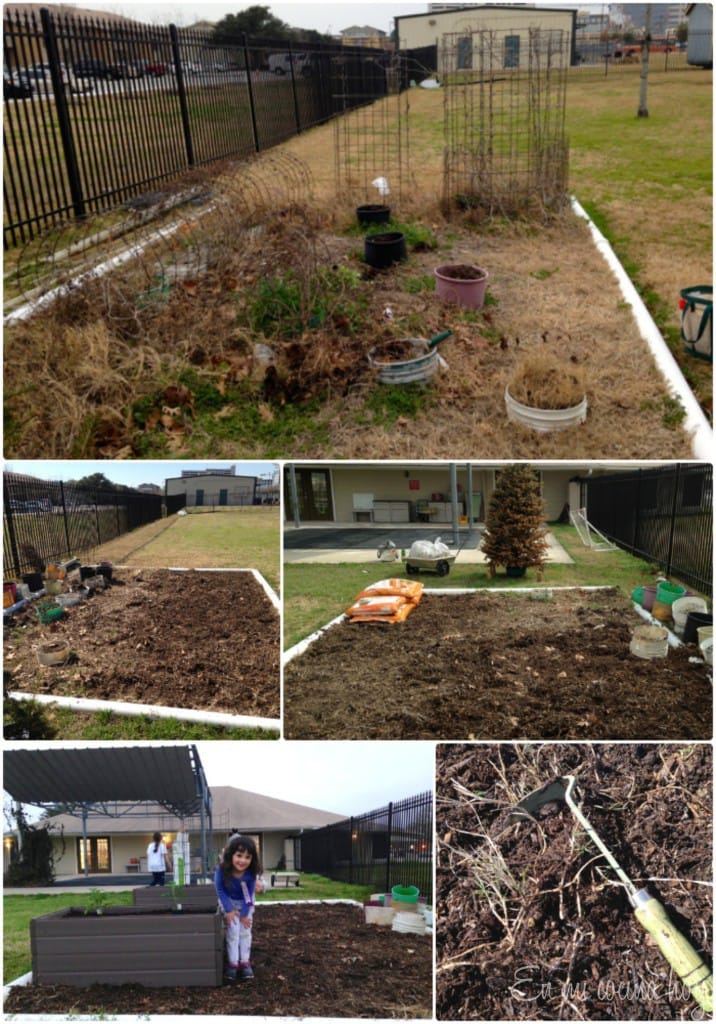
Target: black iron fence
column 383, row 848
column 661, row 514
column 48, row 521
column 98, row 113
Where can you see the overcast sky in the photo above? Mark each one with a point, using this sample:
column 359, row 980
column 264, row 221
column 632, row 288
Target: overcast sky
column 129, row 473
column 345, row 778
column 328, row 17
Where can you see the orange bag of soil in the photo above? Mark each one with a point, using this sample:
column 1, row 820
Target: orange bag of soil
column 400, row 615
column 410, row 589
column 376, row 605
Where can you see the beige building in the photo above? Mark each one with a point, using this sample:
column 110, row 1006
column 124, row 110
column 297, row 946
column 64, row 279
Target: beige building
column 117, row 842
column 413, row 493
column 415, row 31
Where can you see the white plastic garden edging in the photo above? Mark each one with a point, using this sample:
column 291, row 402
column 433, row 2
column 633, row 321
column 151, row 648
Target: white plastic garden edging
column 154, row 710
column 695, row 422
column 303, row 645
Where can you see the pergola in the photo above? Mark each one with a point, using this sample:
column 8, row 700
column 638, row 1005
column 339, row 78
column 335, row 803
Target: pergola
column 112, row 781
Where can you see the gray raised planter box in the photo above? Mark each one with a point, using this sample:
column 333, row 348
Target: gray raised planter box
column 160, row 897
column 123, row 945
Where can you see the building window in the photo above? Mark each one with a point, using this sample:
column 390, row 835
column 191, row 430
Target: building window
column 512, row 52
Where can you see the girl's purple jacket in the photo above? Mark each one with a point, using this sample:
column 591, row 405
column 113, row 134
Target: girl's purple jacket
column 239, row 889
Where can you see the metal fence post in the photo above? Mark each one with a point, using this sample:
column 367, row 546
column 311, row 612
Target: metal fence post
column 388, row 865
column 181, row 88
column 10, row 527
column 672, row 526
column 64, row 519
column 293, row 88
column 63, row 115
column 252, row 105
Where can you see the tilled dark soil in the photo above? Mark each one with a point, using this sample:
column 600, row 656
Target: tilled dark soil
column 202, row 640
column 496, row 666
column 532, row 923
column 309, row 961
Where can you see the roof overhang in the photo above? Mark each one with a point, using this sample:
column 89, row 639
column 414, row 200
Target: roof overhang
column 95, row 777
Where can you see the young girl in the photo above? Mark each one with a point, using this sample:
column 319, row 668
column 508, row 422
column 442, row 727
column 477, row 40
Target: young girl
column 237, row 880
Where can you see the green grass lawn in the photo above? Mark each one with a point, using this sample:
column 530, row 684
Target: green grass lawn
column 106, row 725
column 316, row 593
column 230, row 538
column 19, row 910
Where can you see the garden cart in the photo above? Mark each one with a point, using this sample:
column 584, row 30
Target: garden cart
column 440, row 565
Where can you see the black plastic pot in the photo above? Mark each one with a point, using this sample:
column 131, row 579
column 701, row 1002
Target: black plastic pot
column 104, row 569
column 384, row 250
column 373, row 213
column 33, row 580
column 694, row 620
column 86, row 571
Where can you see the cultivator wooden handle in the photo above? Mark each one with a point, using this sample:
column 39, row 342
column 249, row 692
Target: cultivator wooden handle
column 679, row 952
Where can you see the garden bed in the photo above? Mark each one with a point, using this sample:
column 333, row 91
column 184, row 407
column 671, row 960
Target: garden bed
column 203, row 640
column 151, row 946
column 531, row 922
column 256, row 342
column 309, row 961
column 549, row 665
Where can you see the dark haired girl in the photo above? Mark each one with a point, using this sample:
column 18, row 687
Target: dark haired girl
column 237, row 880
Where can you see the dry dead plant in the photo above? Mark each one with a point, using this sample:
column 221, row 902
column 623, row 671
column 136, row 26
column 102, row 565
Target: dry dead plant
column 544, row 381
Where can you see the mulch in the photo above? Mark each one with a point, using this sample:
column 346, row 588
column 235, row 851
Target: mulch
column 551, row 665
column 532, row 924
column 309, row 961
column 203, row 640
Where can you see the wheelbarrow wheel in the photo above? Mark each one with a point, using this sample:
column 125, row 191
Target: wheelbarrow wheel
column 442, row 568
column 412, row 570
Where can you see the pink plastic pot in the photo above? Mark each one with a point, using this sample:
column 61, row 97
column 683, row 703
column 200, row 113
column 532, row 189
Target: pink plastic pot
column 463, row 291
column 647, row 601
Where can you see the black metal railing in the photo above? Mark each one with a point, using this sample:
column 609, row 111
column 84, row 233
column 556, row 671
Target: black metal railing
column 662, row 514
column 98, row 113
column 47, row 521
column 383, row 848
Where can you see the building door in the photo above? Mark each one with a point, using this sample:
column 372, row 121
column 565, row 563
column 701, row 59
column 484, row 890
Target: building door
column 199, row 500
column 98, row 855
column 223, row 496
column 315, row 501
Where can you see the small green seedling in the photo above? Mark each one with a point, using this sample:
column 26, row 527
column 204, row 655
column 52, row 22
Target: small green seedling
column 98, row 900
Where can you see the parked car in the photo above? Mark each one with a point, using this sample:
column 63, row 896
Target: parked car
column 93, row 67
column 156, row 69
column 280, row 63
column 15, row 86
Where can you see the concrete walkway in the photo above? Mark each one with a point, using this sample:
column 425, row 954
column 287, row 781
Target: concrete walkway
column 368, row 554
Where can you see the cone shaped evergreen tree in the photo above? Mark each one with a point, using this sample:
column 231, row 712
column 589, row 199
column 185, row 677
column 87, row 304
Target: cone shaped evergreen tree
column 515, row 535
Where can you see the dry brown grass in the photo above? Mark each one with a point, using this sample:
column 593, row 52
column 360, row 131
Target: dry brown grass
column 543, row 381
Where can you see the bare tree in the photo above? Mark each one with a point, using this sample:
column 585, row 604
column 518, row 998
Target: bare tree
column 644, row 77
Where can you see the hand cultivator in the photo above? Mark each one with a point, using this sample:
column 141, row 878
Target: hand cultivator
column 649, row 912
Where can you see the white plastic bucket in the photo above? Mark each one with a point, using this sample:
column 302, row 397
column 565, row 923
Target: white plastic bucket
column 650, row 642
column 681, row 608
column 545, row 420
column 379, row 915
column 405, row 921
column 707, row 649
column 54, row 652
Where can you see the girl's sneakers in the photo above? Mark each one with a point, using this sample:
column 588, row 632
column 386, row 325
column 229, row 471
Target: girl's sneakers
column 240, row 972
column 245, row 972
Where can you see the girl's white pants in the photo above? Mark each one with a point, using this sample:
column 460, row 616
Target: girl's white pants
column 238, row 938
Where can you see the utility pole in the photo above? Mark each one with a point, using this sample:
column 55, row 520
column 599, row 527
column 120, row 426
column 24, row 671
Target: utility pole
column 644, row 78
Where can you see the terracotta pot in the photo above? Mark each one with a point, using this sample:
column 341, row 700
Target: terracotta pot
column 452, row 286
